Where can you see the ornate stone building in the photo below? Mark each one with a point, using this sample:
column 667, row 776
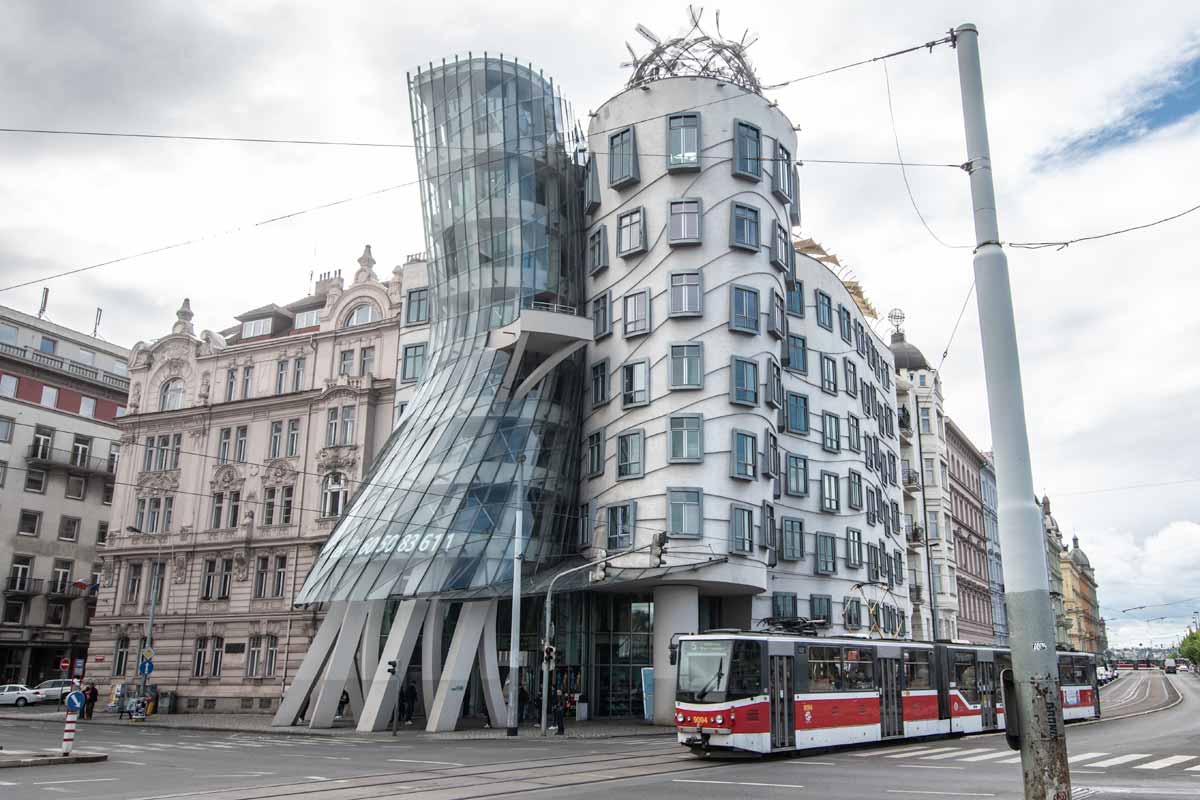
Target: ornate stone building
column 970, row 537
column 1054, row 548
column 239, row 454
column 1085, row 628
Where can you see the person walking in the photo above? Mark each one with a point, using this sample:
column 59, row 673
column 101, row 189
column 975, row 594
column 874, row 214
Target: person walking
column 410, row 702
column 522, row 704
column 90, row 695
column 560, row 712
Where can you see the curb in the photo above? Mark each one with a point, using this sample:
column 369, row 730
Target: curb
column 1178, row 700
column 50, row 761
column 286, row 731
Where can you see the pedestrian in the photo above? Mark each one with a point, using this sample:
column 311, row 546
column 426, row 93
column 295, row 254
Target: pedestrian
column 560, row 712
column 522, row 704
column 410, row 702
column 343, row 701
column 90, row 695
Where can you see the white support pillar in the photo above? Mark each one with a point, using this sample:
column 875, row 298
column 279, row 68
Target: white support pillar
column 368, row 654
column 676, row 610
column 456, row 672
column 311, row 668
column 431, row 651
column 489, row 669
column 401, row 642
column 341, row 663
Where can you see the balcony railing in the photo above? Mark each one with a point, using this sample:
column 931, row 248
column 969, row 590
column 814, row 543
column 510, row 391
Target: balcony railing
column 538, row 305
column 41, row 453
column 17, row 584
column 64, row 588
column 66, row 366
column 916, row 593
column 912, row 478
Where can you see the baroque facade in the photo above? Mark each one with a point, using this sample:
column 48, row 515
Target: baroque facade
column 1054, row 549
column 970, row 537
column 239, row 454
column 1085, row 628
column 61, row 394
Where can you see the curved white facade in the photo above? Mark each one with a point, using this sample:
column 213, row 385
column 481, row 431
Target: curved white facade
column 654, row 384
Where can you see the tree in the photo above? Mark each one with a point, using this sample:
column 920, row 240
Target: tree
column 1190, row 647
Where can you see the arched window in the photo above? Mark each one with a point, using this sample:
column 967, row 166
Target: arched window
column 333, row 495
column 170, row 395
column 361, row 314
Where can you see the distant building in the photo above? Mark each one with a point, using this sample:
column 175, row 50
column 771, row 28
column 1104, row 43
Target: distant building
column 970, row 538
column 61, row 392
column 1079, row 600
column 1054, row 548
column 241, row 451
column 991, row 525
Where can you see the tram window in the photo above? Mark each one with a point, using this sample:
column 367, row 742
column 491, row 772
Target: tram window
column 824, row 669
column 916, row 669
column 1003, row 662
column 858, row 669
column 1064, row 670
column 745, row 670
column 1079, row 670
column 965, row 676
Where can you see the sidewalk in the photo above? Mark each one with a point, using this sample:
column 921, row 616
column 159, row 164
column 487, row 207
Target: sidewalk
column 261, row 723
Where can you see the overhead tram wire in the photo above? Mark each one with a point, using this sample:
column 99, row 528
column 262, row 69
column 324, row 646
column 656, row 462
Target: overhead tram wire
column 1064, row 244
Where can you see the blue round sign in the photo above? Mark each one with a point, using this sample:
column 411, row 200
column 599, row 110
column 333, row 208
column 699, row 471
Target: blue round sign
column 74, row 701
column 146, row 667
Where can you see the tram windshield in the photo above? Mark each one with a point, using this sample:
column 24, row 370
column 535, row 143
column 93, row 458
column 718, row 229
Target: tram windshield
column 714, row 670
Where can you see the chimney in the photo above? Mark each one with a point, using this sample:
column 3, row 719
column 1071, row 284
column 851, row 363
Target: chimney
column 327, row 281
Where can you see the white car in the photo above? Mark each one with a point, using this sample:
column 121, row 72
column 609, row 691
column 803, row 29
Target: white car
column 54, row 689
column 14, row 694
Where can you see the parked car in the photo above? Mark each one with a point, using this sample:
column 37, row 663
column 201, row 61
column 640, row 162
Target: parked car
column 55, row 689
column 14, row 694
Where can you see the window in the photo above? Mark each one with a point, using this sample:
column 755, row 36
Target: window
column 275, row 446
column 269, row 496
column 831, row 428
column 686, row 433
column 293, row 437
column 824, row 310
column 218, row 652
column 687, row 366
column 68, row 529
column 307, row 319
column 133, row 583
column 298, row 375
column 854, row 490
column 591, row 191
column 223, row 440
column 256, row 327
column 120, row 655
column 622, row 158
column 783, row 604
column 873, row 563
column 262, row 566
column 239, row 445
column 200, row 660
column 285, row 506
column 87, row 407
column 347, row 425
column 361, row 314
column 76, row 487
column 346, row 362
column 418, row 306
column 743, row 304
column 14, row 612
column 35, row 480
column 820, row 610
column 3, row 473
column 8, row 385
column 747, row 151
column 235, row 507
column 631, row 233
column 781, row 173
column 635, row 384
column 636, row 316
column 366, row 361
column 844, row 323
column 774, row 396
column 630, row 455
column 218, row 505
column 854, row 548
column 48, row 345
column 743, row 227
column 771, row 456
column 829, row 376
column 830, row 495
column 230, row 384
column 851, row 376
column 6, row 429
column 826, row 562
column 781, row 247
column 8, row 333
column 683, row 142
column 797, row 475
column 281, row 373
column 596, row 456
column 685, row 511
column 279, row 578
column 745, row 455
column 796, row 355
column 333, row 495
column 601, row 318
column 797, row 413
column 599, row 383
column 49, row 397
column 598, row 250
column 687, row 294
column 413, row 365
column 853, row 435
column 776, row 320
column 741, row 528
column 795, row 298
column 685, row 221
column 621, row 522
column 253, row 655
column 792, row 533
column 923, row 413
column 743, row 389
column 29, row 523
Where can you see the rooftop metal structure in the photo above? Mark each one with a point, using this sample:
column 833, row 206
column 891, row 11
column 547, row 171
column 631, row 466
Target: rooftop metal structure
column 695, row 53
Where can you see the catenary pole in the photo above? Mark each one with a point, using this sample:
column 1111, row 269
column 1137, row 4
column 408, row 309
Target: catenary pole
column 514, row 630
column 1035, row 664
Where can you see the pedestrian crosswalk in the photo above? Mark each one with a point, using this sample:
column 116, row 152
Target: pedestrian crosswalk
column 153, row 744
column 1096, row 761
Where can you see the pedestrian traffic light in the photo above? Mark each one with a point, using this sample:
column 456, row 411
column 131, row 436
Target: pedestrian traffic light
column 658, row 549
column 391, row 667
column 549, row 655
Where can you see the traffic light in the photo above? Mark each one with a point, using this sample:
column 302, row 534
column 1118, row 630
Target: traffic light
column 391, row 667
column 548, row 656
column 658, row 549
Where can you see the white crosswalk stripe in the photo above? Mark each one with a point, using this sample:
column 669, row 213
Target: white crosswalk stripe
column 1013, row 760
column 990, row 756
column 1169, row 761
column 925, row 752
column 1081, row 757
column 910, row 749
column 955, row 754
column 1125, row 759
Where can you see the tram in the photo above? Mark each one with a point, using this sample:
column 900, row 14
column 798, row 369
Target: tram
column 750, row 692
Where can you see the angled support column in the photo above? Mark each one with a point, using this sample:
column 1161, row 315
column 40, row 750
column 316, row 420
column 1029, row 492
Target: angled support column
column 341, row 664
column 489, row 669
column 402, row 640
column 464, row 647
column 368, row 654
column 431, row 652
column 311, row 668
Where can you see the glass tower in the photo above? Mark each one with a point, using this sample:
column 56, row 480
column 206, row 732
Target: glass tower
column 501, row 191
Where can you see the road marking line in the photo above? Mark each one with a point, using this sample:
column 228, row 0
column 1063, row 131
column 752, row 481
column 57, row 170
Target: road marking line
column 1078, row 757
column 8, row 783
column 135, row 763
column 878, row 750
column 315, row 778
column 948, row 794
column 1013, row 760
column 814, row 763
column 417, row 761
column 74, row 780
column 741, row 783
column 955, row 754
column 923, row 751
column 1125, row 759
column 990, row 756
column 1169, row 761
column 927, row 766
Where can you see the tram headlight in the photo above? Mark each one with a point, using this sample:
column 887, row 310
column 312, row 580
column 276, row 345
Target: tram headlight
column 679, row 717
column 720, row 719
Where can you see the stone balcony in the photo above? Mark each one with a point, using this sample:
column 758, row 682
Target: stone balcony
column 66, row 366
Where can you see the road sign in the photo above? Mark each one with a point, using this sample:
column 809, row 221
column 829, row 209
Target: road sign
column 148, row 654
column 74, row 701
column 146, row 667
column 79, row 665
column 65, row 664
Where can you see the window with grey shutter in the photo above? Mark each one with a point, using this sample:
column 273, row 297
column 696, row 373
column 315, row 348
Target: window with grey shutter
column 686, row 438
column 792, row 533
column 602, row 316
column 854, row 490
column 747, row 151
column 743, row 385
column 687, row 366
column 796, row 354
column 831, row 432
column 635, row 384
column 826, row 554
column 685, row 221
column 623, row 159
column 631, row 233
column 854, row 548
column 743, row 306
column 598, row 250
column 776, row 317
column 744, row 455
column 743, row 227
column 600, row 383
column 687, row 294
column 819, row 609
column 595, row 450
column 683, row 142
column 830, row 500
column 591, row 191
column 783, row 604
column 741, row 528
column 635, row 316
column 685, row 512
column 631, row 448
column 796, row 479
column 781, row 173
column 824, row 310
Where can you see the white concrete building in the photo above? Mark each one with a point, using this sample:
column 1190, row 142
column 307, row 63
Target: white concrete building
column 61, row 392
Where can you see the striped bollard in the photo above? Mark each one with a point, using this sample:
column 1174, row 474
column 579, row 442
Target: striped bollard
column 69, row 733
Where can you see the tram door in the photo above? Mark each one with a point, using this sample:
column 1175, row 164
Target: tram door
column 783, row 703
column 987, row 693
column 891, row 704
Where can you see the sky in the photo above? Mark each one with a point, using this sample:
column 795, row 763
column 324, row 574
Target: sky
column 1093, row 123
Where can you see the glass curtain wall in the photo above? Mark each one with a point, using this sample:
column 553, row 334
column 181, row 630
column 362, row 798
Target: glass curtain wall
column 501, row 192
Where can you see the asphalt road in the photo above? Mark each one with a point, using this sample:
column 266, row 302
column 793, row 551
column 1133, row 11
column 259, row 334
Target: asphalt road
column 1150, row 756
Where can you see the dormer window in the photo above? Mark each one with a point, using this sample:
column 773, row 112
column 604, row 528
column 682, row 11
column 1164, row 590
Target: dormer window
column 256, row 327
column 362, row 314
column 170, row 395
column 308, row 319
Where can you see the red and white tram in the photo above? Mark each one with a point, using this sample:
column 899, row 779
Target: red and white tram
column 770, row 692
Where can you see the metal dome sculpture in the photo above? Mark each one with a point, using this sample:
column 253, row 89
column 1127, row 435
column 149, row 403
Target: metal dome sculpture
column 695, row 53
